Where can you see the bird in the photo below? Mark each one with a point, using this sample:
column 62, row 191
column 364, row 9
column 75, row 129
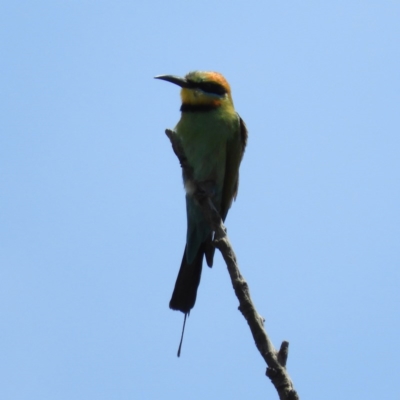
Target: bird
column 213, row 138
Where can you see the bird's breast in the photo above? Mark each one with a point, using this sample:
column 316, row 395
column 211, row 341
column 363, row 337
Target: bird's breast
column 204, row 138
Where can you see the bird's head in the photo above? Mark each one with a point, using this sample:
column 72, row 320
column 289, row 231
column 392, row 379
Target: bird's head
column 202, row 88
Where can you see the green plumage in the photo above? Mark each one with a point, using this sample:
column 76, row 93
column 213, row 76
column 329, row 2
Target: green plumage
column 213, row 138
column 209, row 140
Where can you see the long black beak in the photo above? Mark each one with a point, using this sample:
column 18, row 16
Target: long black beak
column 182, row 82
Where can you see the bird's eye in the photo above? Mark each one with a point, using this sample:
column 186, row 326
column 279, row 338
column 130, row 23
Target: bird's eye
column 212, row 87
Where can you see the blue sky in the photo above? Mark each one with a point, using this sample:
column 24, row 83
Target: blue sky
column 92, row 214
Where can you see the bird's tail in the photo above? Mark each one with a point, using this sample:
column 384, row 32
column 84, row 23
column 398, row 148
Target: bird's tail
column 188, row 280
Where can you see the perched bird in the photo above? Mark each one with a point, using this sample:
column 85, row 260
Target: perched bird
column 213, row 138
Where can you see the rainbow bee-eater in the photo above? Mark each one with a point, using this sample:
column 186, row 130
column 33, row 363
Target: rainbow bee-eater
column 213, row 138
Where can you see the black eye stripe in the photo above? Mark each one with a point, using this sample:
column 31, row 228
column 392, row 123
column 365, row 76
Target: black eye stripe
column 210, row 87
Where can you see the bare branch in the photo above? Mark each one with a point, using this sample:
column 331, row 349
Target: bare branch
column 276, row 361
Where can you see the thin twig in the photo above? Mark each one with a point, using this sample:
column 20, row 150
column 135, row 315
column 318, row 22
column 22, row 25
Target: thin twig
column 276, row 360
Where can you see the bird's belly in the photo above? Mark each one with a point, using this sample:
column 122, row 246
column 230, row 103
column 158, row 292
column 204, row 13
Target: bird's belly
column 204, row 141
